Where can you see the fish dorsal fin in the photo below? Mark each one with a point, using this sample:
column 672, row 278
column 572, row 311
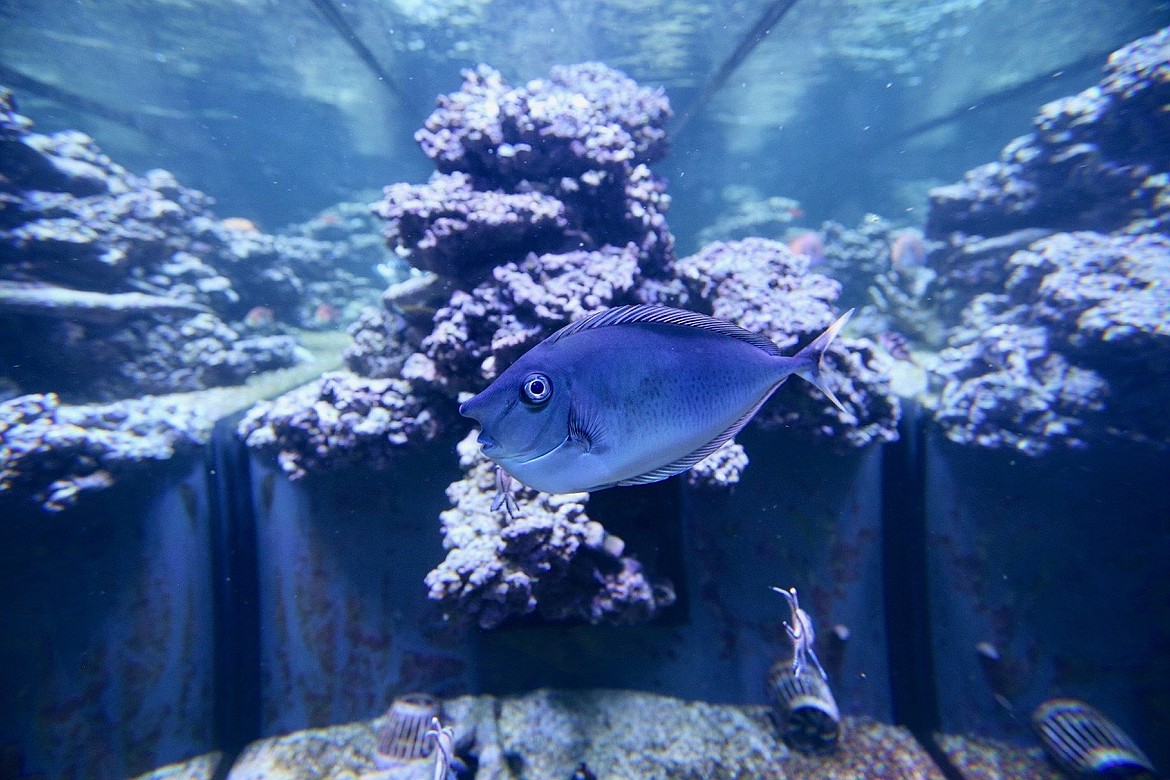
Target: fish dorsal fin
column 665, row 315
column 691, row 458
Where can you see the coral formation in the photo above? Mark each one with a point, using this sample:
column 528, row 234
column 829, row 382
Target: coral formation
column 98, row 266
column 856, row 256
column 381, row 344
column 55, row 452
column 480, row 332
column 878, row 269
column 583, row 117
column 969, row 265
column 63, row 303
column 881, row 271
column 114, row 285
column 1089, row 164
column 763, row 286
column 338, row 420
column 555, row 165
column 1055, row 256
column 292, row 274
column 543, row 210
column 158, row 354
column 1051, row 361
column 1095, row 161
column 448, row 227
column 720, row 469
column 109, row 268
column 551, row 559
column 352, row 267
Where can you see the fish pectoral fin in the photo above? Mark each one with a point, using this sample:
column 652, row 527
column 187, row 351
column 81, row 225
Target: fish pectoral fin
column 585, row 429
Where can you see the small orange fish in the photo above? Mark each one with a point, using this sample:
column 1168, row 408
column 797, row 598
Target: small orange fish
column 259, row 316
column 908, row 249
column 240, row 225
column 810, row 245
column 325, row 314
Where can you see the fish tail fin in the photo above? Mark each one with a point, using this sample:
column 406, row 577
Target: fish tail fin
column 810, row 357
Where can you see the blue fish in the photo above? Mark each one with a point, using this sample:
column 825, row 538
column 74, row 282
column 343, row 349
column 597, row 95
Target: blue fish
column 632, row 395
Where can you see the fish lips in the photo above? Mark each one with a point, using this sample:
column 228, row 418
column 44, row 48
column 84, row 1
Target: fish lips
column 486, row 442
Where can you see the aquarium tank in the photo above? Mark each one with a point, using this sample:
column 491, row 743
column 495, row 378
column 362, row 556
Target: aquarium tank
column 584, row 389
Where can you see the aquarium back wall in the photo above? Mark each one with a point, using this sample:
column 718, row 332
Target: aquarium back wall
column 260, row 105
column 267, row 108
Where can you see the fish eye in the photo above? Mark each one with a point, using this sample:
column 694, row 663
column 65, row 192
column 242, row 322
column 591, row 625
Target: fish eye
column 537, row 388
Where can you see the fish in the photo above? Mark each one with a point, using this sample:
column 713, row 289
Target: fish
column 259, row 316
column 809, row 244
column 895, row 343
column 632, row 395
column 325, row 314
column 240, row 225
column 908, row 250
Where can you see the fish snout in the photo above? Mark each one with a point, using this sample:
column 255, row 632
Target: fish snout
column 472, row 408
column 469, row 408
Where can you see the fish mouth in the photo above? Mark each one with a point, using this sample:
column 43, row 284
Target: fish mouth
column 491, row 447
column 540, row 455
